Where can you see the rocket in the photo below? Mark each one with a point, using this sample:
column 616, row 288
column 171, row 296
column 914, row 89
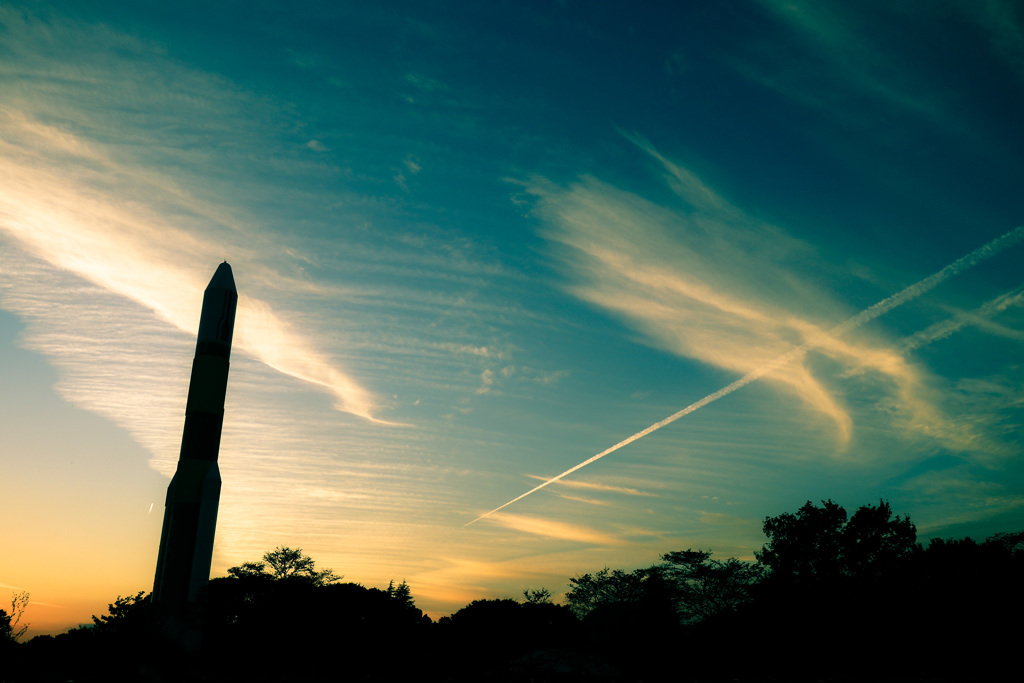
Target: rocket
column 190, row 512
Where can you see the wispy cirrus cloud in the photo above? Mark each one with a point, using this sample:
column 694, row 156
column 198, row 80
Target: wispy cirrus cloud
column 836, row 33
column 623, row 258
column 974, row 496
column 1005, row 23
column 541, row 526
column 599, row 486
column 135, row 252
column 980, row 317
column 586, row 501
column 706, row 281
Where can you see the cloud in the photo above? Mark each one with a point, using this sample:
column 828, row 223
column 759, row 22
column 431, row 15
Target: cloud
column 833, row 32
column 411, row 164
column 545, row 378
column 456, row 580
column 53, row 202
column 303, row 60
column 622, row 259
column 597, row 486
column 979, row 403
column 706, row 281
column 424, row 83
column 980, row 317
column 1005, row 22
column 481, row 351
column 540, row 526
column 486, row 381
column 588, row 501
column 721, row 519
column 966, row 497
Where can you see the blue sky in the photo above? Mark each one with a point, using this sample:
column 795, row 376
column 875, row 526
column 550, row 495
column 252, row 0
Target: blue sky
column 478, row 243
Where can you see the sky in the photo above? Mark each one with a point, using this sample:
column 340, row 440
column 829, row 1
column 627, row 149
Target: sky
column 476, row 244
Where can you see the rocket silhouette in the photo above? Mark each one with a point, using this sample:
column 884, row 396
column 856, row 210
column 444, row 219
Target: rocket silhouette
column 190, row 512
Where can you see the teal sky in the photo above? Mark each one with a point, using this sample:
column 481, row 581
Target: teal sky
column 476, row 244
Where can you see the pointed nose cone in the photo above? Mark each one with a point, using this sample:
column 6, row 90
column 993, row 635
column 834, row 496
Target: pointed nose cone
column 223, row 278
column 217, row 321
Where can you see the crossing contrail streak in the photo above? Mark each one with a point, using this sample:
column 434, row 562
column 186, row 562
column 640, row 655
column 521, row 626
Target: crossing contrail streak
column 882, row 307
column 944, row 329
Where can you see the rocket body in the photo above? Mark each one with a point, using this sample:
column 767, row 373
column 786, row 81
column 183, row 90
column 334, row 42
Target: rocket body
column 190, row 512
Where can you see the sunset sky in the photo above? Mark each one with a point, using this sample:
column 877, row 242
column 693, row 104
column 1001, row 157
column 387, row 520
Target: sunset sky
column 477, row 243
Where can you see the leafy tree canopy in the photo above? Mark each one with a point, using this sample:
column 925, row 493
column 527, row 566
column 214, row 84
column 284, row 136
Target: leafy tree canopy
column 9, row 623
column 5, row 626
column 286, row 564
column 126, row 614
column 705, row 587
column 400, row 593
column 688, row 582
column 539, row 596
column 819, row 543
column 614, row 586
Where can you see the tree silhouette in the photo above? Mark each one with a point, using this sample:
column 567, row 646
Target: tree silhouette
column 804, row 547
column 874, row 542
column 486, row 636
column 127, row 615
column 286, row 563
column 705, row 587
column 6, row 630
column 539, row 596
column 614, row 586
column 400, row 593
column 629, row 617
column 1012, row 542
column 307, row 624
column 249, row 570
column 818, row 544
column 9, row 628
column 836, row 587
column 832, row 596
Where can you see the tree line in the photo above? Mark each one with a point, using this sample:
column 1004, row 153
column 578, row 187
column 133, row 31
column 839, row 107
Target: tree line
column 829, row 596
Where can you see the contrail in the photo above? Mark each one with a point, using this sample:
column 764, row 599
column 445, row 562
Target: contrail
column 941, row 330
column 884, row 306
